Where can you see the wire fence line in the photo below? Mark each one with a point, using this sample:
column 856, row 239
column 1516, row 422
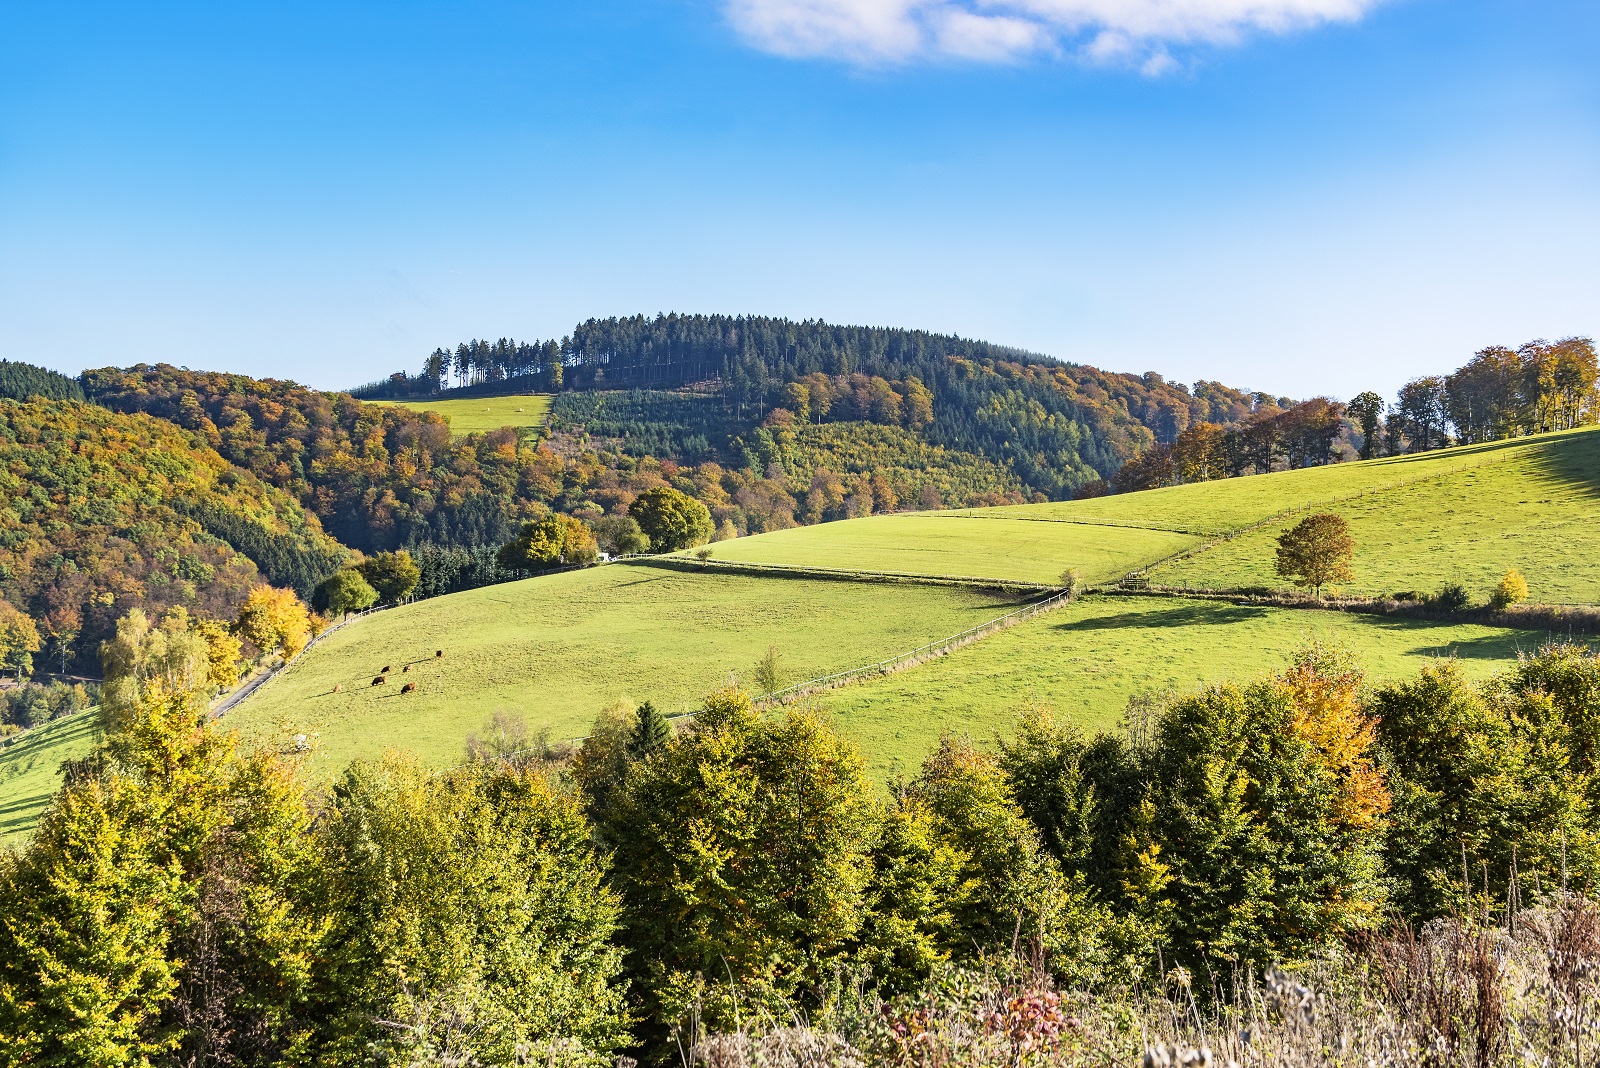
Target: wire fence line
column 255, row 682
column 923, row 652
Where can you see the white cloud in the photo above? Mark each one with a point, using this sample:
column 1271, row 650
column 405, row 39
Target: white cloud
column 1136, row 32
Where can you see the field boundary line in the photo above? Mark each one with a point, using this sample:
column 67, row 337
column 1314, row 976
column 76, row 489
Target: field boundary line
column 844, row 574
column 1585, row 621
column 255, row 682
column 921, row 654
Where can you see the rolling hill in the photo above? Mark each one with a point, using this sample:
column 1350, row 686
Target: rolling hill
column 557, row 649
column 1418, row 520
column 101, row 512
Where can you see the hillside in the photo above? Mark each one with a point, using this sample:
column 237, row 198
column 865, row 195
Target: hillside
column 555, row 650
column 656, row 635
column 101, row 512
column 1087, row 661
column 1536, row 509
column 1422, row 519
column 1055, row 426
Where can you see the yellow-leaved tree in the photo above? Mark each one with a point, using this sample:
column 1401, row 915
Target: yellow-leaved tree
column 275, row 621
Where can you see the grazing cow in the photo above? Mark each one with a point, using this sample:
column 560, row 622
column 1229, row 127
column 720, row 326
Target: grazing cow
column 380, row 680
column 405, row 669
column 437, row 653
column 385, row 670
column 408, row 687
column 338, row 686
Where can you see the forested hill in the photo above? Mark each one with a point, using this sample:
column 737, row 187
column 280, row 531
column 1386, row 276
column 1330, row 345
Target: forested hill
column 1057, row 425
column 101, row 513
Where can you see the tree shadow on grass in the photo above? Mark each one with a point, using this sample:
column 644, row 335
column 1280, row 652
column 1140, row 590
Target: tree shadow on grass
column 1214, row 614
column 1574, row 461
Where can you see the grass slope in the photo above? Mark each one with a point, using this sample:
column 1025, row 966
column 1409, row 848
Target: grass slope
column 941, row 543
column 1471, row 512
column 30, row 767
column 1227, row 504
column 1087, row 659
column 557, row 649
column 1538, row 510
column 470, row 416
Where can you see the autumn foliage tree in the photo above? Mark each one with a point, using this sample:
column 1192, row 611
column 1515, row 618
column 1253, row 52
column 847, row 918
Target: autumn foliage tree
column 671, row 519
column 275, row 621
column 550, row 542
column 19, row 640
column 1316, row 551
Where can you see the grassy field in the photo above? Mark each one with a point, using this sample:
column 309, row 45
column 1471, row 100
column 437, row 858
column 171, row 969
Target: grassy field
column 1552, row 480
column 485, row 413
column 558, row 649
column 939, row 543
column 1227, row 504
column 1537, row 511
column 1086, row 660
column 30, row 768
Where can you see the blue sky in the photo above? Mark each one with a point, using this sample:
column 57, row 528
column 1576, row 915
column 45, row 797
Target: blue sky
column 1300, row 196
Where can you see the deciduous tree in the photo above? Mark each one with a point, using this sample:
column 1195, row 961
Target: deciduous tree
column 672, row 519
column 1316, row 551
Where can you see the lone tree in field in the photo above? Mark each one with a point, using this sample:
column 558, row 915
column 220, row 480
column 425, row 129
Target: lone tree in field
column 1316, row 551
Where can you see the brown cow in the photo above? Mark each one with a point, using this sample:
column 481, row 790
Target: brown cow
column 408, row 687
column 405, row 669
column 380, row 680
column 437, row 653
column 385, row 670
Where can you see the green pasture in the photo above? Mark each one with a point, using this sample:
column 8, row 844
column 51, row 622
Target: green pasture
column 1537, row 511
column 30, row 767
column 1227, row 504
column 557, row 649
column 1088, row 659
column 485, row 413
column 941, row 543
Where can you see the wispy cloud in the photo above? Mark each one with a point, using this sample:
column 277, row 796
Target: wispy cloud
column 1137, row 33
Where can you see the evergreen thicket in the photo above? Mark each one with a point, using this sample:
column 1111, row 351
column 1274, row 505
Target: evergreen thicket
column 24, row 381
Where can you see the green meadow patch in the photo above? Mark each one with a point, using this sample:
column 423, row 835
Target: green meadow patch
column 30, row 767
column 946, row 543
column 1088, row 659
column 1537, row 510
column 470, row 416
column 556, row 650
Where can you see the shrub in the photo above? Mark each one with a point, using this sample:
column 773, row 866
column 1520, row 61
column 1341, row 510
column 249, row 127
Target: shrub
column 1513, row 589
column 1452, row 597
column 755, row 836
column 480, row 880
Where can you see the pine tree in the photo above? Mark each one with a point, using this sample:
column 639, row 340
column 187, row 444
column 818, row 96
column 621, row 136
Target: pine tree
column 650, row 732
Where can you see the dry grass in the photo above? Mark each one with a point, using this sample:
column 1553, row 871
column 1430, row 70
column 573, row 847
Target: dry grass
column 1453, row 993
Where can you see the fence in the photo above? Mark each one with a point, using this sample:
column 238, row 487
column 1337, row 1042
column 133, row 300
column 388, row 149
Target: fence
column 255, row 683
column 921, row 653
